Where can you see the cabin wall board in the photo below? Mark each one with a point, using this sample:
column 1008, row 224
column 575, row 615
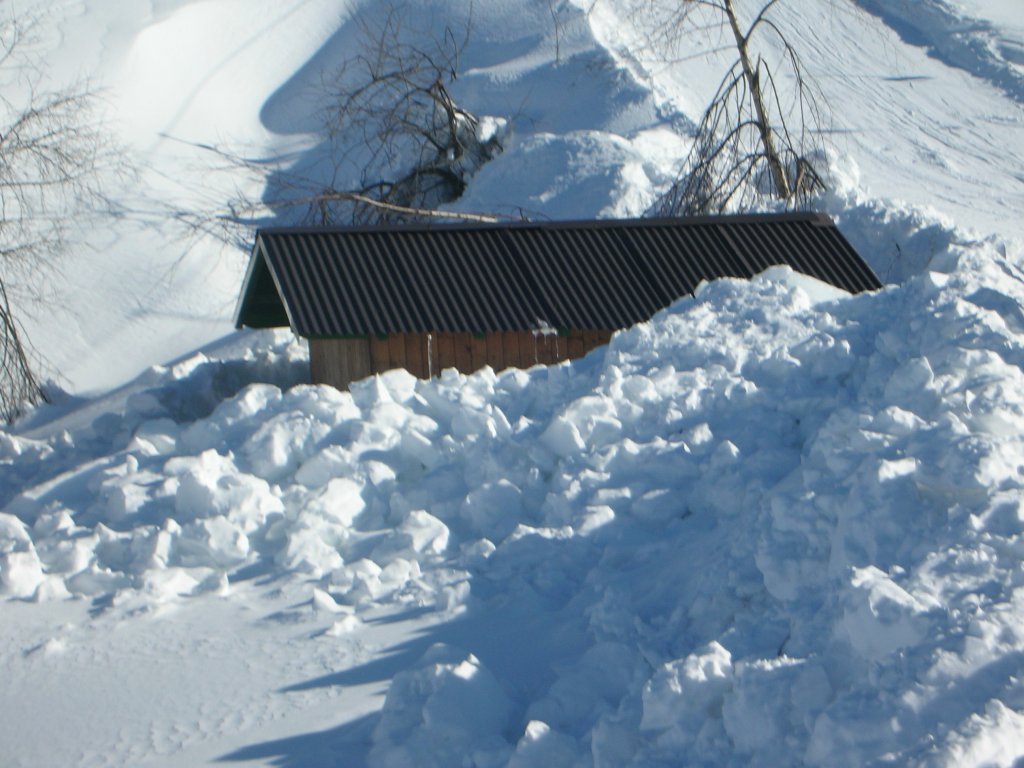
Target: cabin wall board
column 341, row 361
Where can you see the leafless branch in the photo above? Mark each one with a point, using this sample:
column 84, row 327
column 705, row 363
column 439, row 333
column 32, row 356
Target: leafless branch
column 417, row 146
column 397, row 145
column 51, row 153
column 750, row 143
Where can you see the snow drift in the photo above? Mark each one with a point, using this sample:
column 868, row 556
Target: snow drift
column 775, row 525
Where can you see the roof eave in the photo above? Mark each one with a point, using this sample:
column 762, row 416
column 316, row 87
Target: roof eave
column 260, row 260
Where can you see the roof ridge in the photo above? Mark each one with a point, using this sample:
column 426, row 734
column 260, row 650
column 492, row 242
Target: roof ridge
column 425, row 226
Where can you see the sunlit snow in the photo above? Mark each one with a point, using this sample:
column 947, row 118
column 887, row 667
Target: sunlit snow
column 775, row 525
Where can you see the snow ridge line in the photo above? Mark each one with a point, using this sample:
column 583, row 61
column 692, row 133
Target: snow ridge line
column 955, row 39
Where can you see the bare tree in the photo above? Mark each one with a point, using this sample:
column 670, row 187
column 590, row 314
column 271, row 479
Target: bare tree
column 416, row 147
column 396, row 143
column 758, row 138
column 50, row 153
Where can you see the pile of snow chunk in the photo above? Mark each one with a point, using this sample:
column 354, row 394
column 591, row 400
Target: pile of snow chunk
column 773, row 525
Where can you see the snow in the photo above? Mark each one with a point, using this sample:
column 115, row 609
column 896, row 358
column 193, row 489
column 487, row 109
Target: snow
column 775, row 525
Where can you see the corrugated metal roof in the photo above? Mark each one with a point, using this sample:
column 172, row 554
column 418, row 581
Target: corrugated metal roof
column 489, row 277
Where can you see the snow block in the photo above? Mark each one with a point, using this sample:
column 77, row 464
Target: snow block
column 441, row 713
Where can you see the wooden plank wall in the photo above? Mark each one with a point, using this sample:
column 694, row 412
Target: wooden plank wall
column 342, row 361
column 339, row 362
column 425, row 355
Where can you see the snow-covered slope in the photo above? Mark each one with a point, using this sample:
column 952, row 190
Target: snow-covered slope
column 775, row 525
column 594, row 116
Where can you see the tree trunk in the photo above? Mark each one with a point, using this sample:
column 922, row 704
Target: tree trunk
column 779, row 177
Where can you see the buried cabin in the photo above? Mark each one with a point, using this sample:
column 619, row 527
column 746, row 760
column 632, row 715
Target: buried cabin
column 430, row 297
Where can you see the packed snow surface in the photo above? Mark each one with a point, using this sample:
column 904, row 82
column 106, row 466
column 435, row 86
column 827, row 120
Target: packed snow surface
column 775, row 525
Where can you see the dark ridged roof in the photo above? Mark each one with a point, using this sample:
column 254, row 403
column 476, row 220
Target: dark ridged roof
column 488, row 277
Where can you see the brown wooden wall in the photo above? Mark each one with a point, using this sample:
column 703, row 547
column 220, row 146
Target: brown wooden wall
column 339, row 362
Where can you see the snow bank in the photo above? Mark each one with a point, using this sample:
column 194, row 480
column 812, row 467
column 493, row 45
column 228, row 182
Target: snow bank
column 772, row 526
column 775, row 524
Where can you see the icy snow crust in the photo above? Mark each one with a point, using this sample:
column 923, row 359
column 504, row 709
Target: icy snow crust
column 775, row 525
column 763, row 528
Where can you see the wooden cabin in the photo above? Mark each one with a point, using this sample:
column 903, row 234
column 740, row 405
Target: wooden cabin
column 429, row 297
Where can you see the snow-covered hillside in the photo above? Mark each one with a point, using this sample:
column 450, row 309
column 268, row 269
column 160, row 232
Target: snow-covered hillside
column 594, row 115
column 776, row 525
